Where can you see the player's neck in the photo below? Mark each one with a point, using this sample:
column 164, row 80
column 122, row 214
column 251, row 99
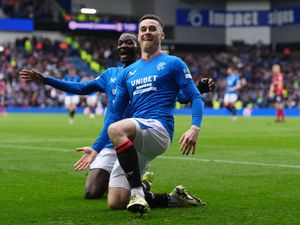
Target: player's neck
column 148, row 55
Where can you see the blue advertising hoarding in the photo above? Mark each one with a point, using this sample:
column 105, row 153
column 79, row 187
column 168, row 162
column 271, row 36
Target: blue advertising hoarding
column 25, row 25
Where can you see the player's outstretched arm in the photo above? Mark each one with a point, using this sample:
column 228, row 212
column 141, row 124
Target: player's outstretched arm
column 71, row 87
column 86, row 159
column 32, row 75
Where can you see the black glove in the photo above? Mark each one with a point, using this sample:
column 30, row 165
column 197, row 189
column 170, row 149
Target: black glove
column 206, row 85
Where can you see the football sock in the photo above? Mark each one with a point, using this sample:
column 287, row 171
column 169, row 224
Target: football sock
column 146, row 186
column 72, row 113
column 233, row 111
column 138, row 190
column 157, row 200
column 281, row 114
column 3, row 109
column 229, row 108
column 277, row 114
column 128, row 160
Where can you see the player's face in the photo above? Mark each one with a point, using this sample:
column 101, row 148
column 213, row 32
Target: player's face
column 276, row 69
column 150, row 35
column 230, row 71
column 127, row 47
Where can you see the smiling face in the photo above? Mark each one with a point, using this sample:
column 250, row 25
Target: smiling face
column 150, row 35
column 127, row 47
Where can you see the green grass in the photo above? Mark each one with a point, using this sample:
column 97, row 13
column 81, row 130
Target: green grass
column 39, row 186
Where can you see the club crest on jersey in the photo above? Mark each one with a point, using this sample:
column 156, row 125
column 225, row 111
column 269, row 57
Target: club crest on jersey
column 187, row 73
column 161, row 66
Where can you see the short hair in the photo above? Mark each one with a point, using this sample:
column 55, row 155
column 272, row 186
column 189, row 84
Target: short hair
column 129, row 32
column 153, row 17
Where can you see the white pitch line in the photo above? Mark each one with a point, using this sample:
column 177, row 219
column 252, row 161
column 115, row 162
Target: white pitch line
column 36, row 148
column 167, row 157
column 45, row 140
column 232, row 162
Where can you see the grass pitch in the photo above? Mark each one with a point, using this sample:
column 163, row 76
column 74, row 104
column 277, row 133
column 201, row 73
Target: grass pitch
column 247, row 171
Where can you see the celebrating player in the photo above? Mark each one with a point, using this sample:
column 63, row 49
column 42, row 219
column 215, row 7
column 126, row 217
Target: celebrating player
column 151, row 85
column 99, row 174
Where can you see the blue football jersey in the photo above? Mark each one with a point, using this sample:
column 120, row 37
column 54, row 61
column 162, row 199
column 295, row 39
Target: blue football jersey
column 152, row 87
column 232, row 81
column 106, row 82
column 70, row 78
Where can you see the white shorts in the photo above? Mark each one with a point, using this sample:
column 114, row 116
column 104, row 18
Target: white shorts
column 230, row 98
column 105, row 160
column 72, row 99
column 91, row 99
column 151, row 140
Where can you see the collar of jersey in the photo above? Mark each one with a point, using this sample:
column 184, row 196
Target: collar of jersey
column 154, row 57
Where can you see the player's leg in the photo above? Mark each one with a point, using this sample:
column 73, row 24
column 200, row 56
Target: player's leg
column 144, row 135
column 119, row 188
column 122, row 134
column 96, row 183
column 2, row 104
column 151, row 140
column 280, row 115
column 92, row 102
column 226, row 102
column 232, row 100
column 98, row 177
column 178, row 197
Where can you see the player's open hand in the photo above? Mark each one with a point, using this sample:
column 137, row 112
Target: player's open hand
column 86, row 159
column 206, row 85
column 31, row 75
column 188, row 140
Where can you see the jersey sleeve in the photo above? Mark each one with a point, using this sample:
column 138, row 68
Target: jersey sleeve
column 190, row 93
column 75, row 87
column 117, row 111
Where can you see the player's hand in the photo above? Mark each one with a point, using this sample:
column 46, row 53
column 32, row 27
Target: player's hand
column 31, row 75
column 206, row 85
column 86, row 159
column 188, row 140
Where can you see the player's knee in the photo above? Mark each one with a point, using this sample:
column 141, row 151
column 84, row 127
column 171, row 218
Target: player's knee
column 93, row 193
column 114, row 130
column 117, row 204
column 118, row 198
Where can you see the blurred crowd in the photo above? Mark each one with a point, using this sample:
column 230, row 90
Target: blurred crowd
column 252, row 63
column 39, row 10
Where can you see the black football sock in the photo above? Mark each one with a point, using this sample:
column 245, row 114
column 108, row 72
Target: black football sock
column 233, row 111
column 128, row 160
column 72, row 113
column 157, row 200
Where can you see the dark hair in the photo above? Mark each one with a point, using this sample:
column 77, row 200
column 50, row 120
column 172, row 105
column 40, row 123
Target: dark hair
column 129, row 32
column 153, row 17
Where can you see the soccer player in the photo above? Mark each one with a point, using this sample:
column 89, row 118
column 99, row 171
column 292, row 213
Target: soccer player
column 276, row 91
column 231, row 95
column 151, row 85
column 3, row 89
column 71, row 100
column 98, row 176
column 91, row 101
column 100, row 169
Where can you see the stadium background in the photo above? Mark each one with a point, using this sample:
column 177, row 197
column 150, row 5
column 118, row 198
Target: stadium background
column 247, row 171
column 209, row 36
